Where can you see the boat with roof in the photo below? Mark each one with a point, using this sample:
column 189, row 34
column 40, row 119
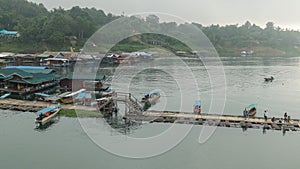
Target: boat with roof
column 151, row 97
column 251, row 109
column 47, row 114
column 197, row 107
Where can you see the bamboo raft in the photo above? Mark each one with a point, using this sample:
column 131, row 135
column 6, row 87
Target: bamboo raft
column 215, row 120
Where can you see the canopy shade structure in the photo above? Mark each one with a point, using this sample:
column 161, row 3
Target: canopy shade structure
column 152, row 92
column 251, row 106
column 48, row 109
column 197, row 103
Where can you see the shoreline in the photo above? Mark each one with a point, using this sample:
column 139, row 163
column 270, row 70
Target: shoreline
column 69, row 110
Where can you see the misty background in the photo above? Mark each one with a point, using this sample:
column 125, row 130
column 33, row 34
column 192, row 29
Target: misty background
column 283, row 13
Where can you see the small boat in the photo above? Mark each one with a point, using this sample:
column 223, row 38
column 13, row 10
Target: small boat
column 151, row 97
column 107, row 93
column 197, row 107
column 56, row 62
column 5, row 96
column 269, row 79
column 69, row 98
column 251, row 109
column 47, row 114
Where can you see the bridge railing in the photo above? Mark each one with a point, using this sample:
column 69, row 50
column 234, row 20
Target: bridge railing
column 127, row 97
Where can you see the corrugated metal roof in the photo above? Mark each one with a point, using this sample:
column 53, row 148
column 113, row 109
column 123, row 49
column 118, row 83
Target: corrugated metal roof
column 32, row 78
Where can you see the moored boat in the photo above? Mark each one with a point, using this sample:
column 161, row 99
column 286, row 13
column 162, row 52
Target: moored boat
column 151, row 97
column 69, row 98
column 269, row 79
column 197, row 107
column 251, row 109
column 56, row 62
column 47, row 114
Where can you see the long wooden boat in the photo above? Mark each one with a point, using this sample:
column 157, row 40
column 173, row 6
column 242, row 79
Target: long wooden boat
column 151, row 97
column 47, row 114
column 251, row 109
column 69, row 98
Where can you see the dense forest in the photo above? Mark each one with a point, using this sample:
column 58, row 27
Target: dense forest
column 59, row 29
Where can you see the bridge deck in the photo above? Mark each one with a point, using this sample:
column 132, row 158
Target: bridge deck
column 215, row 120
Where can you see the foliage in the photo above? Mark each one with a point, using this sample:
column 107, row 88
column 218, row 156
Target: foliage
column 41, row 29
column 79, row 113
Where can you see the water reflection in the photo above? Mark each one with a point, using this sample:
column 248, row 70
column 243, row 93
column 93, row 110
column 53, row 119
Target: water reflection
column 123, row 125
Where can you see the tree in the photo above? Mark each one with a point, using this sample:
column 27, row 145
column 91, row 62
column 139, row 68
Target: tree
column 270, row 26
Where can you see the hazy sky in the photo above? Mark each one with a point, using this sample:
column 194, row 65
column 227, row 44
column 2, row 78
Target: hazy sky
column 283, row 13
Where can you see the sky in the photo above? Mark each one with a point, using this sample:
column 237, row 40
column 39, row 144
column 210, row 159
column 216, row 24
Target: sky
column 285, row 14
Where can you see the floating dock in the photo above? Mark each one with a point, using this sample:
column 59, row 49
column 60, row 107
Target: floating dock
column 215, row 120
column 33, row 106
column 134, row 113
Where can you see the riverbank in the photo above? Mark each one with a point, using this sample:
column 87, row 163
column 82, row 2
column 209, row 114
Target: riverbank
column 73, row 113
column 68, row 110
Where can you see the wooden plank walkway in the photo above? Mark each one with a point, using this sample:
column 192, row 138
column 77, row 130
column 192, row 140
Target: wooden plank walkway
column 215, row 120
column 33, row 106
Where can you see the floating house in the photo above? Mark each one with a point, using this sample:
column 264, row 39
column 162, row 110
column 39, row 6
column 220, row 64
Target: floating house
column 24, row 58
column 26, row 79
column 40, row 58
column 87, row 81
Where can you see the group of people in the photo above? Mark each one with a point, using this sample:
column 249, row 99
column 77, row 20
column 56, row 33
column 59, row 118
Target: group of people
column 246, row 114
column 285, row 116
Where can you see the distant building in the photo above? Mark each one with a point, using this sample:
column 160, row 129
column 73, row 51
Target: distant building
column 83, row 81
column 5, row 34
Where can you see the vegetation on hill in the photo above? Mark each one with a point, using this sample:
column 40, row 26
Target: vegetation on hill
column 60, row 29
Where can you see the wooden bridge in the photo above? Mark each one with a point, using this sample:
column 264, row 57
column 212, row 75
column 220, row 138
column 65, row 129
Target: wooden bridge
column 134, row 112
column 216, row 120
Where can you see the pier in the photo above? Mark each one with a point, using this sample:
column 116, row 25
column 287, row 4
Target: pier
column 133, row 112
column 33, row 106
column 229, row 121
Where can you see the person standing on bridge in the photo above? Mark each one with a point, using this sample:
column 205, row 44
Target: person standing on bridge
column 266, row 115
column 285, row 117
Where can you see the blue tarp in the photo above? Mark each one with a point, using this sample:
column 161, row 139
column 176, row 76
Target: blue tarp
column 197, row 103
column 80, row 95
column 152, row 92
column 88, row 95
column 48, row 109
column 25, row 67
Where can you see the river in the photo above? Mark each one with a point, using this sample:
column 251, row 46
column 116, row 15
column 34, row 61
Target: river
column 65, row 145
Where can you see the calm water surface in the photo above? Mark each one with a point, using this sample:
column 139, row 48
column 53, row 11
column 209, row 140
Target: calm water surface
column 65, row 145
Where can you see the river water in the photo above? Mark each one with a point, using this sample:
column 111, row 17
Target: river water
column 66, row 145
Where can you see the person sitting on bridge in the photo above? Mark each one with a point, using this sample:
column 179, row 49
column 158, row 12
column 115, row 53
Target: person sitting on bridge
column 273, row 119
